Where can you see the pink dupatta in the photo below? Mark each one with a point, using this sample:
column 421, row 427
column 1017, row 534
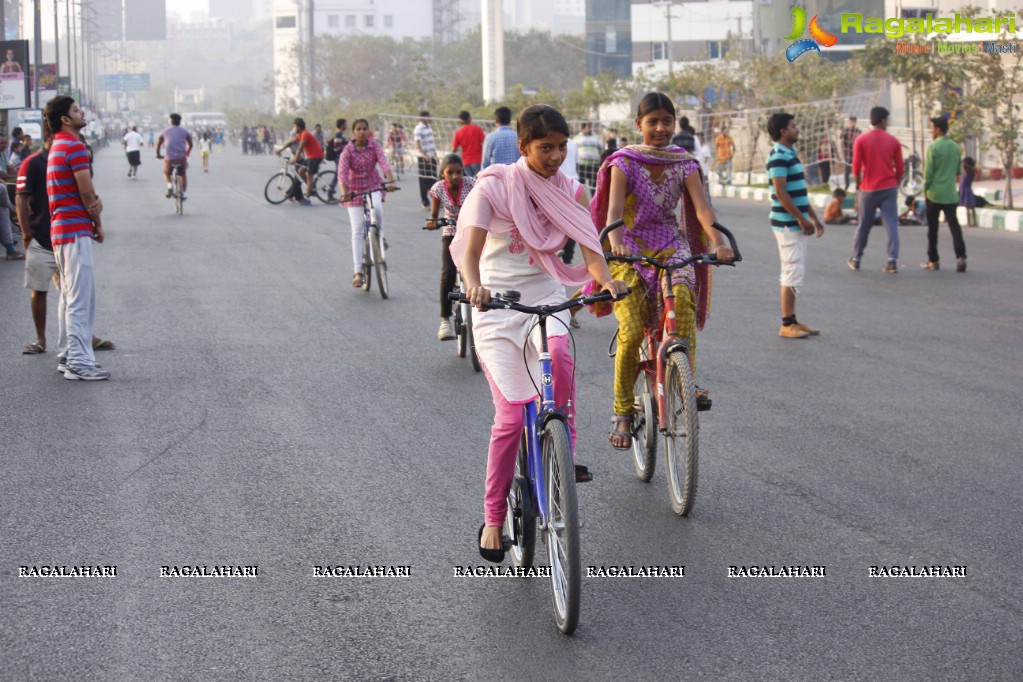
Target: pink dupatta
column 534, row 205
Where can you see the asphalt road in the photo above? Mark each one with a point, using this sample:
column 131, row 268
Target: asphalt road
column 264, row 413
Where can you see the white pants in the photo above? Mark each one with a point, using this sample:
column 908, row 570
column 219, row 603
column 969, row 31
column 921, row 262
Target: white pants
column 357, row 222
column 78, row 284
column 792, row 251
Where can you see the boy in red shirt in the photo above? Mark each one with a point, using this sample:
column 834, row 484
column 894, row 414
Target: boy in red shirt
column 469, row 137
column 877, row 165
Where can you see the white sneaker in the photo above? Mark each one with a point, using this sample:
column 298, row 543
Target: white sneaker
column 446, row 331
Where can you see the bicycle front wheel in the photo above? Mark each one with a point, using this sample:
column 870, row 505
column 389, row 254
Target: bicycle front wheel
column 472, row 340
column 681, row 433
column 520, row 519
column 458, row 318
column 644, row 421
column 324, row 187
column 367, row 263
column 912, row 184
column 379, row 262
column 276, row 191
column 562, row 525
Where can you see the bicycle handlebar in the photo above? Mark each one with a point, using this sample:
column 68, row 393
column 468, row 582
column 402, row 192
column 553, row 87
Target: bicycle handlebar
column 439, row 222
column 702, row 258
column 509, row 301
column 355, row 195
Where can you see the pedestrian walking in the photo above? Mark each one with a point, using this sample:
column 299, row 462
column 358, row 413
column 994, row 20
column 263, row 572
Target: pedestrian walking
column 132, row 148
column 589, row 155
column 877, row 167
column 427, row 148
column 502, row 144
column 849, row 135
column 967, row 198
column 792, row 219
column 942, row 163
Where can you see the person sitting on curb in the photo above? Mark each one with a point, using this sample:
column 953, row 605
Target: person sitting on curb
column 833, row 214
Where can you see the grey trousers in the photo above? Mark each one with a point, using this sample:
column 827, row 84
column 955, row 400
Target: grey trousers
column 888, row 201
column 78, row 284
column 6, row 235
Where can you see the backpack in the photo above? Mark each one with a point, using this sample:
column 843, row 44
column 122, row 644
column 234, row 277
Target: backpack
column 686, row 140
column 330, row 153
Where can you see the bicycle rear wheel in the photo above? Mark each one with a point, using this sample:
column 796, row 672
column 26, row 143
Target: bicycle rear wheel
column 324, row 187
column 367, row 263
column 179, row 202
column 276, row 191
column 379, row 262
column 520, row 519
column 562, row 529
column 644, row 421
column 681, row 433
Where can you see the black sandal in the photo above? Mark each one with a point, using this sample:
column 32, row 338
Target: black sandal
column 703, row 401
column 494, row 555
column 582, row 474
column 615, row 432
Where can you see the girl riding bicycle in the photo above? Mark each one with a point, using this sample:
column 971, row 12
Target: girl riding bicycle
column 450, row 192
column 643, row 185
column 509, row 230
column 357, row 172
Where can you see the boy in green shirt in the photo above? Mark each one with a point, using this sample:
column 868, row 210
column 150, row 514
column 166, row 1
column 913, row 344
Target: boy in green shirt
column 941, row 176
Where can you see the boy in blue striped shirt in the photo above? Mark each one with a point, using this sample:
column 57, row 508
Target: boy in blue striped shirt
column 792, row 219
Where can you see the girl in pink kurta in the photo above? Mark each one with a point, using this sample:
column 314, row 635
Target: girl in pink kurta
column 514, row 221
column 357, row 172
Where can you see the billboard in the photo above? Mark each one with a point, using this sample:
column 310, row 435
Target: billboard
column 13, row 74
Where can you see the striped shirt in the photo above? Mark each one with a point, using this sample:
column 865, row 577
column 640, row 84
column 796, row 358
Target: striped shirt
column 501, row 146
column 783, row 163
column 68, row 217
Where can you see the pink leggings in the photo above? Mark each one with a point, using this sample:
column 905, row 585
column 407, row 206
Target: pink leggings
column 507, row 430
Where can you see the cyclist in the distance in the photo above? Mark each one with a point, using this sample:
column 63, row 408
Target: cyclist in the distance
column 179, row 146
column 305, row 143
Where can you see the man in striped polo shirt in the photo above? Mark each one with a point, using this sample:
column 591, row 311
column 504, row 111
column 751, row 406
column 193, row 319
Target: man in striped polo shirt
column 74, row 226
column 792, row 219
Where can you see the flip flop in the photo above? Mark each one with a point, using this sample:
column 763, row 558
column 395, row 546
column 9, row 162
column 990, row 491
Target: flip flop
column 103, row 345
column 33, row 349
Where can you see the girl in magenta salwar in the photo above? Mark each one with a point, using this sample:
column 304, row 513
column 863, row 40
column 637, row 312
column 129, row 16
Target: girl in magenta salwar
column 643, row 185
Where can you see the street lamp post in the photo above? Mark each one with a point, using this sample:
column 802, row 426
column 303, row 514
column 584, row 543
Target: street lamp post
column 666, row 4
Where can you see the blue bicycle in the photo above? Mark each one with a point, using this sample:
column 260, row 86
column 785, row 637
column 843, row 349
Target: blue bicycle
column 544, row 484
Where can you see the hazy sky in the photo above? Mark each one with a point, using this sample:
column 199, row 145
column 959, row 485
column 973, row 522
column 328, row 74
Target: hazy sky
column 186, row 7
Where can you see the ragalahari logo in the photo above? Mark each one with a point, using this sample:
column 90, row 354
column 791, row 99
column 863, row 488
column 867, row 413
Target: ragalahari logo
column 818, row 36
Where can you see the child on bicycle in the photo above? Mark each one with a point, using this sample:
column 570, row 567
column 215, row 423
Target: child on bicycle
column 450, row 192
column 357, row 172
column 509, row 231
column 643, row 184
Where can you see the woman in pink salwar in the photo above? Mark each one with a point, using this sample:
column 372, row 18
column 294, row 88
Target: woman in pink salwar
column 644, row 185
column 509, row 231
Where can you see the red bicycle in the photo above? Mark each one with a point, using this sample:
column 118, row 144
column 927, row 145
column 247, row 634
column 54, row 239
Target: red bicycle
column 665, row 388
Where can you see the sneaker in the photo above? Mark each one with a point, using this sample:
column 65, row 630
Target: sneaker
column 62, row 364
column 791, row 331
column 446, row 332
column 931, row 265
column 86, row 374
column 306, row 202
column 854, row 263
column 802, row 327
column 170, row 192
column 891, row 268
column 960, row 265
